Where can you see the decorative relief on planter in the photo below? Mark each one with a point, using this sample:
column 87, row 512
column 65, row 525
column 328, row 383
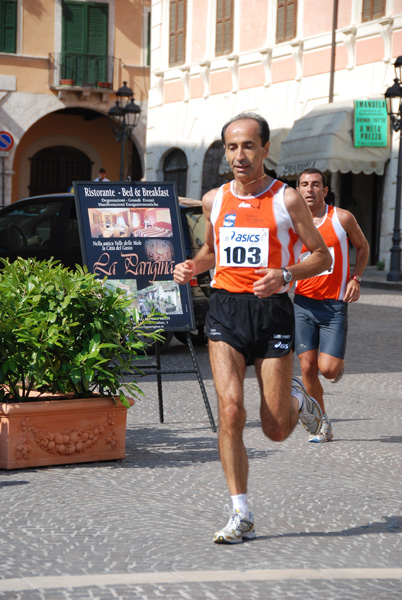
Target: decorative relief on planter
column 68, row 442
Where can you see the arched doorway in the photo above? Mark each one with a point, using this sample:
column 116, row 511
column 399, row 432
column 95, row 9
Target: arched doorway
column 53, row 169
column 175, row 169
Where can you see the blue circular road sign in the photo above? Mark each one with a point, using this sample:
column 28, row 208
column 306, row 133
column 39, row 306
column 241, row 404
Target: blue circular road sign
column 6, row 140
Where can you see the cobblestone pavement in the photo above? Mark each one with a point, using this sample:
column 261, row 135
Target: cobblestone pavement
column 328, row 517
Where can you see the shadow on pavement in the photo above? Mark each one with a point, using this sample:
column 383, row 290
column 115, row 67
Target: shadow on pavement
column 392, row 524
column 150, row 447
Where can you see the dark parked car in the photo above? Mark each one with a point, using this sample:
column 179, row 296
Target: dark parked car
column 45, row 226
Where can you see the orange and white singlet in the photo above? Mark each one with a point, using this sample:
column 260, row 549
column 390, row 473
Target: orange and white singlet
column 251, row 233
column 331, row 284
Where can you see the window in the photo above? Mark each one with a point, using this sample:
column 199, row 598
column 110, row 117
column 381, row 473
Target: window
column 175, row 169
column 373, row 9
column 177, row 32
column 286, row 20
column 85, row 42
column 8, row 25
column 224, row 27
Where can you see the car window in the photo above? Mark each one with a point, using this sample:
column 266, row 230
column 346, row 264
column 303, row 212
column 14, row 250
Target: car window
column 196, row 228
column 29, row 226
column 72, row 237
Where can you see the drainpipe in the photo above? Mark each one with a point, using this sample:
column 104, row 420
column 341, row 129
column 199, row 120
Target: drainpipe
column 333, row 51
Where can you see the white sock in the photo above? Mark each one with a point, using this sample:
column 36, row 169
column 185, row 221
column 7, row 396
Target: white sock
column 325, row 418
column 240, row 502
column 299, row 396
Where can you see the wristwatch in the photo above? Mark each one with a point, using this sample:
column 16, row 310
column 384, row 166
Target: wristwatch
column 356, row 278
column 287, row 276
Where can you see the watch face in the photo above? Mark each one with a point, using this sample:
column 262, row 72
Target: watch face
column 287, row 276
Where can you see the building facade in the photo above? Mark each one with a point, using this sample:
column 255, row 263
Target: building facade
column 302, row 64
column 60, row 63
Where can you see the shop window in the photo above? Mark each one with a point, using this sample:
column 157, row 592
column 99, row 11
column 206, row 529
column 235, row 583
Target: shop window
column 373, row 9
column 175, row 169
column 286, row 23
column 177, row 32
column 224, row 27
column 8, row 26
column 85, row 42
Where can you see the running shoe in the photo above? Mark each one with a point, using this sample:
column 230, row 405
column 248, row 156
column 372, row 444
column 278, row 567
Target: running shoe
column 240, row 527
column 339, row 376
column 324, row 435
column 310, row 413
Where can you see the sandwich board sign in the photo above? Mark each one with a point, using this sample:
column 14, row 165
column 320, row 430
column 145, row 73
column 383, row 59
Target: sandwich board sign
column 131, row 233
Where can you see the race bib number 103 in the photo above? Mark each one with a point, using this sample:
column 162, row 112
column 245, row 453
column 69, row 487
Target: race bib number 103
column 243, row 247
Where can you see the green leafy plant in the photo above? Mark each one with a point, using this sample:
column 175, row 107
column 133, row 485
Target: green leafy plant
column 64, row 332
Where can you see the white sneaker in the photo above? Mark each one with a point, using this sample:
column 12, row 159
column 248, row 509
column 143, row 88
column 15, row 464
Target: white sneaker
column 339, row 376
column 310, row 413
column 324, row 435
column 240, row 527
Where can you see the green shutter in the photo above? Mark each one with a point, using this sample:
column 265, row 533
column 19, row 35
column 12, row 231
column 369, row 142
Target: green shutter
column 8, row 26
column 97, row 19
column 85, row 42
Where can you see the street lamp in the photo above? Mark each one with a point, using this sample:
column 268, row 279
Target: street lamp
column 124, row 118
column 393, row 96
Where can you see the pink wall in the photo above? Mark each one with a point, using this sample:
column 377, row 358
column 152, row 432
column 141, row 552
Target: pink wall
column 283, row 69
column 370, row 50
column 318, row 16
column 196, row 87
column 253, row 19
column 397, row 44
column 220, row 82
column 173, row 91
column 199, row 30
column 251, row 76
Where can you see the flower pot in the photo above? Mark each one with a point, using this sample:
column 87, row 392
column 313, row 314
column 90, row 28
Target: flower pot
column 104, row 84
column 66, row 81
column 58, row 432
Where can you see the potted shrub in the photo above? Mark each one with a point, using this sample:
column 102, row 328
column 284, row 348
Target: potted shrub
column 67, row 340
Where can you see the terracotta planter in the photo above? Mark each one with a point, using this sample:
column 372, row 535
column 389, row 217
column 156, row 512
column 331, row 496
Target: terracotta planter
column 57, row 432
column 104, row 84
column 66, row 81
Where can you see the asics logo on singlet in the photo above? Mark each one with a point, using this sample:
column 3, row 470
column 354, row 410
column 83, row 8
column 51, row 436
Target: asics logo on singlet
column 244, row 205
column 245, row 237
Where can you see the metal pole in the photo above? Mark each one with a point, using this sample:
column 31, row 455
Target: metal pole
column 333, row 51
column 3, row 186
column 123, row 137
column 395, row 266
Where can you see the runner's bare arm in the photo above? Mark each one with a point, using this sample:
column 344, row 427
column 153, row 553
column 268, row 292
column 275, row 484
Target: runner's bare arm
column 319, row 259
column 358, row 240
column 205, row 258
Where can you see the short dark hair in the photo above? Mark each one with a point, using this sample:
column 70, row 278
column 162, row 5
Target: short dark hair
column 311, row 171
column 102, row 170
column 262, row 125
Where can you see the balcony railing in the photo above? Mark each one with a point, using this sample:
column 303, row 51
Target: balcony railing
column 81, row 70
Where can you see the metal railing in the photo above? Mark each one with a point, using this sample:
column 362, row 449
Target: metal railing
column 81, row 70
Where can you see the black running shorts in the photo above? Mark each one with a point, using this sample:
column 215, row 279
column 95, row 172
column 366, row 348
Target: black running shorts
column 255, row 327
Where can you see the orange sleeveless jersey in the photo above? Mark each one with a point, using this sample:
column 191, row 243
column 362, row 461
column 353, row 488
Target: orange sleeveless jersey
column 329, row 284
column 251, row 233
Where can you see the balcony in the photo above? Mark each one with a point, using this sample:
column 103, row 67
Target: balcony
column 82, row 73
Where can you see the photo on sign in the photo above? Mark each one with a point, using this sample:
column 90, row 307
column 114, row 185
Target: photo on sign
column 130, row 222
column 162, row 296
column 129, row 287
column 159, row 250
